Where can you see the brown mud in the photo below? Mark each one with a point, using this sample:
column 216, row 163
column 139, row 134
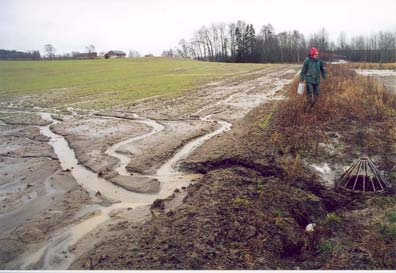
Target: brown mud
column 53, row 189
column 37, row 196
column 261, row 206
column 242, row 198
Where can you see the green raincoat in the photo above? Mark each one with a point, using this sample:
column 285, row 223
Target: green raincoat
column 311, row 71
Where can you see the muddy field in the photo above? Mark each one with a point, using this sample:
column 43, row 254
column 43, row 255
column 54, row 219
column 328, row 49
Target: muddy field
column 257, row 208
column 71, row 182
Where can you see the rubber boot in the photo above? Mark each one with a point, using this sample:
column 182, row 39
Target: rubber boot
column 312, row 100
column 309, row 103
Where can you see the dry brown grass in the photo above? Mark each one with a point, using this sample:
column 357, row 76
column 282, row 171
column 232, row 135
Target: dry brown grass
column 347, row 102
column 363, row 112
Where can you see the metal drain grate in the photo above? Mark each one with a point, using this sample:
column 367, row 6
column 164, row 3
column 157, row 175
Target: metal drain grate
column 363, row 176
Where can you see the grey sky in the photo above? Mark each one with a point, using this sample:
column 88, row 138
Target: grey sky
column 151, row 26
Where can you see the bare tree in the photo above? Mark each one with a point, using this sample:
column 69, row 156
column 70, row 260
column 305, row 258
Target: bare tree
column 184, row 48
column 323, row 36
column 342, row 41
column 90, row 49
column 320, row 40
column 50, row 50
column 238, row 42
column 223, row 40
column 232, row 40
column 203, row 41
column 168, row 53
column 267, row 44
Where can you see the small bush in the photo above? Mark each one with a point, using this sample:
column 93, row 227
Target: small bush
column 392, row 216
column 333, row 218
column 388, row 232
column 280, row 213
column 260, row 184
column 332, row 222
column 329, row 246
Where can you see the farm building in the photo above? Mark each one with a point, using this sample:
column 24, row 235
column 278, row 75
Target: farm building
column 115, row 54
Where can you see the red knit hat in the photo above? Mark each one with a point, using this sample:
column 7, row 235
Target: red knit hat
column 313, row 51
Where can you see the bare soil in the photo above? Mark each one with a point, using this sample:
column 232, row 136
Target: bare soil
column 37, row 196
column 90, row 136
column 245, row 214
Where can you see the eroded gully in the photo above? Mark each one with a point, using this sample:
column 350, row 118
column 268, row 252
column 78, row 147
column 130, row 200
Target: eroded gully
column 56, row 252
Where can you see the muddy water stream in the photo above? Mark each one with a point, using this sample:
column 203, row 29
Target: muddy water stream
column 56, row 254
column 124, row 159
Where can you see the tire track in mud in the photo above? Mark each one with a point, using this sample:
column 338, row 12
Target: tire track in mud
column 238, row 98
column 221, row 90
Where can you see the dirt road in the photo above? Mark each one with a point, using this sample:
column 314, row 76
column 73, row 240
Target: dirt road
column 66, row 183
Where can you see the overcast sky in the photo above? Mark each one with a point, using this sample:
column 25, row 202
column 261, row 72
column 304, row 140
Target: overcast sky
column 151, row 26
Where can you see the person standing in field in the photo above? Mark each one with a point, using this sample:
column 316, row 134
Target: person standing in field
column 312, row 68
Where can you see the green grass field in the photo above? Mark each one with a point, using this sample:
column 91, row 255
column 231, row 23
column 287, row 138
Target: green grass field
column 95, row 84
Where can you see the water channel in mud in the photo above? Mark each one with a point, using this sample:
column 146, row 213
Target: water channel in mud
column 58, row 251
column 55, row 254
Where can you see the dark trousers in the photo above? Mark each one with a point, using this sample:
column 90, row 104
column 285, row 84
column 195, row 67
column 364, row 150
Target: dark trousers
column 312, row 93
column 312, row 88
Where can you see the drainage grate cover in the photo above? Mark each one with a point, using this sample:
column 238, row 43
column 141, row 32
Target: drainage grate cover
column 363, row 176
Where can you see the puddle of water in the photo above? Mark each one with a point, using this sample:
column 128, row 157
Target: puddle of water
column 56, row 253
column 376, row 72
column 339, row 62
column 385, row 76
column 326, row 173
column 325, row 169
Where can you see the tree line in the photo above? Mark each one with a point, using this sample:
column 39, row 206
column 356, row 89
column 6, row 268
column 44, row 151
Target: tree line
column 49, row 52
column 89, row 53
column 239, row 42
column 19, row 55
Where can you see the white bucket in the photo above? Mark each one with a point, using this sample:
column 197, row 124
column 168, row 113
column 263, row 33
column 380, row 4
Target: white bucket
column 300, row 89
